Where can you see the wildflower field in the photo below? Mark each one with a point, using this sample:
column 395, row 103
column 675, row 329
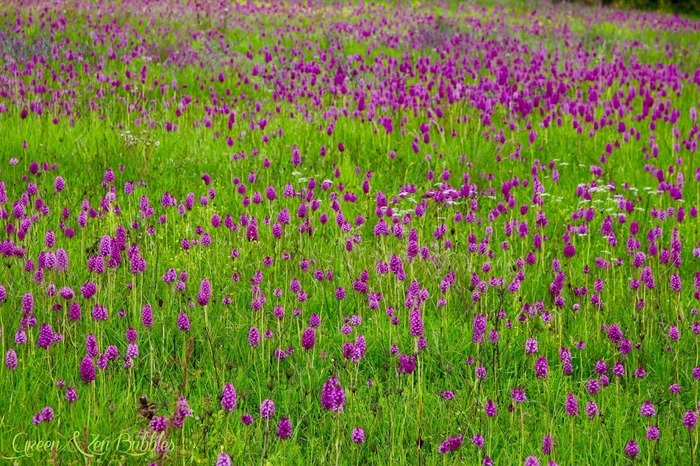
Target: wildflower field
column 348, row 233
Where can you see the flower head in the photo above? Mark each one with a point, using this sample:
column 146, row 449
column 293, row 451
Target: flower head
column 541, row 367
column 653, row 433
column 518, row 395
column 547, row 444
column 254, row 337
column 87, row 370
column 416, row 323
column 407, row 364
column 308, row 338
column 333, row 395
column 690, row 419
column 267, row 408
column 204, row 292
column 490, row 408
column 632, row 449
column 531, row 346
column 11, row 359
column 450, row 444
column 571, row 405
column 592, row 409
column 71, row 395
column 647, row 409
column 358, row 435
column 228, row 397
column 183, row 322
column 284, row 428
column 223, row 460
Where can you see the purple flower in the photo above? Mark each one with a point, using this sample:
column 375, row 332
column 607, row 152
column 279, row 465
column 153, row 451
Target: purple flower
column 541, row 367
column 103, row 362
column 531, row 346
column 27, row 303
column 571, row 405
column 254, row 337
column 333, row 395
column 91, row 348
column 223, row 460
column 407, row 364
column 183, row 322
column 696, row 372
column 159, row 423
column 653, row 433
column 87, row 370
column 478, row 328
column 147, row 316
column 600, row 366
column 314, row 320
column 673, row 333
column 618, row 369
column 308, row 338
column 131, row 335
column 46, row 336
column 615, row 334
column 592, row 409
column 690, row 420
column 11, row 359
column 204, row 292
column 88, row 290
column 296, row 156
column 490, row 408
column 182, row 411
column 593, row 386
column 284, row 428
column 675, row 282
column 518, row 395
column 569, row 250
column 480, row 372
column 99, row 312
column 450, row 444
column 132, row 351
column 71, row 395
column 416, row 323
column 247, row 419
column 647, row 409
column 532, row 461
column 59, row 185
column 632, row 449
column 66, row 293
column 358, row 435
column 267, row 408
column 46, row 414
column 547, row 444
column 20, row 337
column 74, row 311
column 228, row 397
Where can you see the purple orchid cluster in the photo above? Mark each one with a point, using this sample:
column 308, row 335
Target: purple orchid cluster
column 363, row 223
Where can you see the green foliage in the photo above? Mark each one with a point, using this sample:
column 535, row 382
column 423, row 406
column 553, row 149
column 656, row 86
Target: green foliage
column 404, row 416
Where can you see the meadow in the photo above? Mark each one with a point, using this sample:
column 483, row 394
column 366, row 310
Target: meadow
column 348, row 233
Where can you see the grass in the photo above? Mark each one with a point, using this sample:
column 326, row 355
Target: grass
column 404, row 415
